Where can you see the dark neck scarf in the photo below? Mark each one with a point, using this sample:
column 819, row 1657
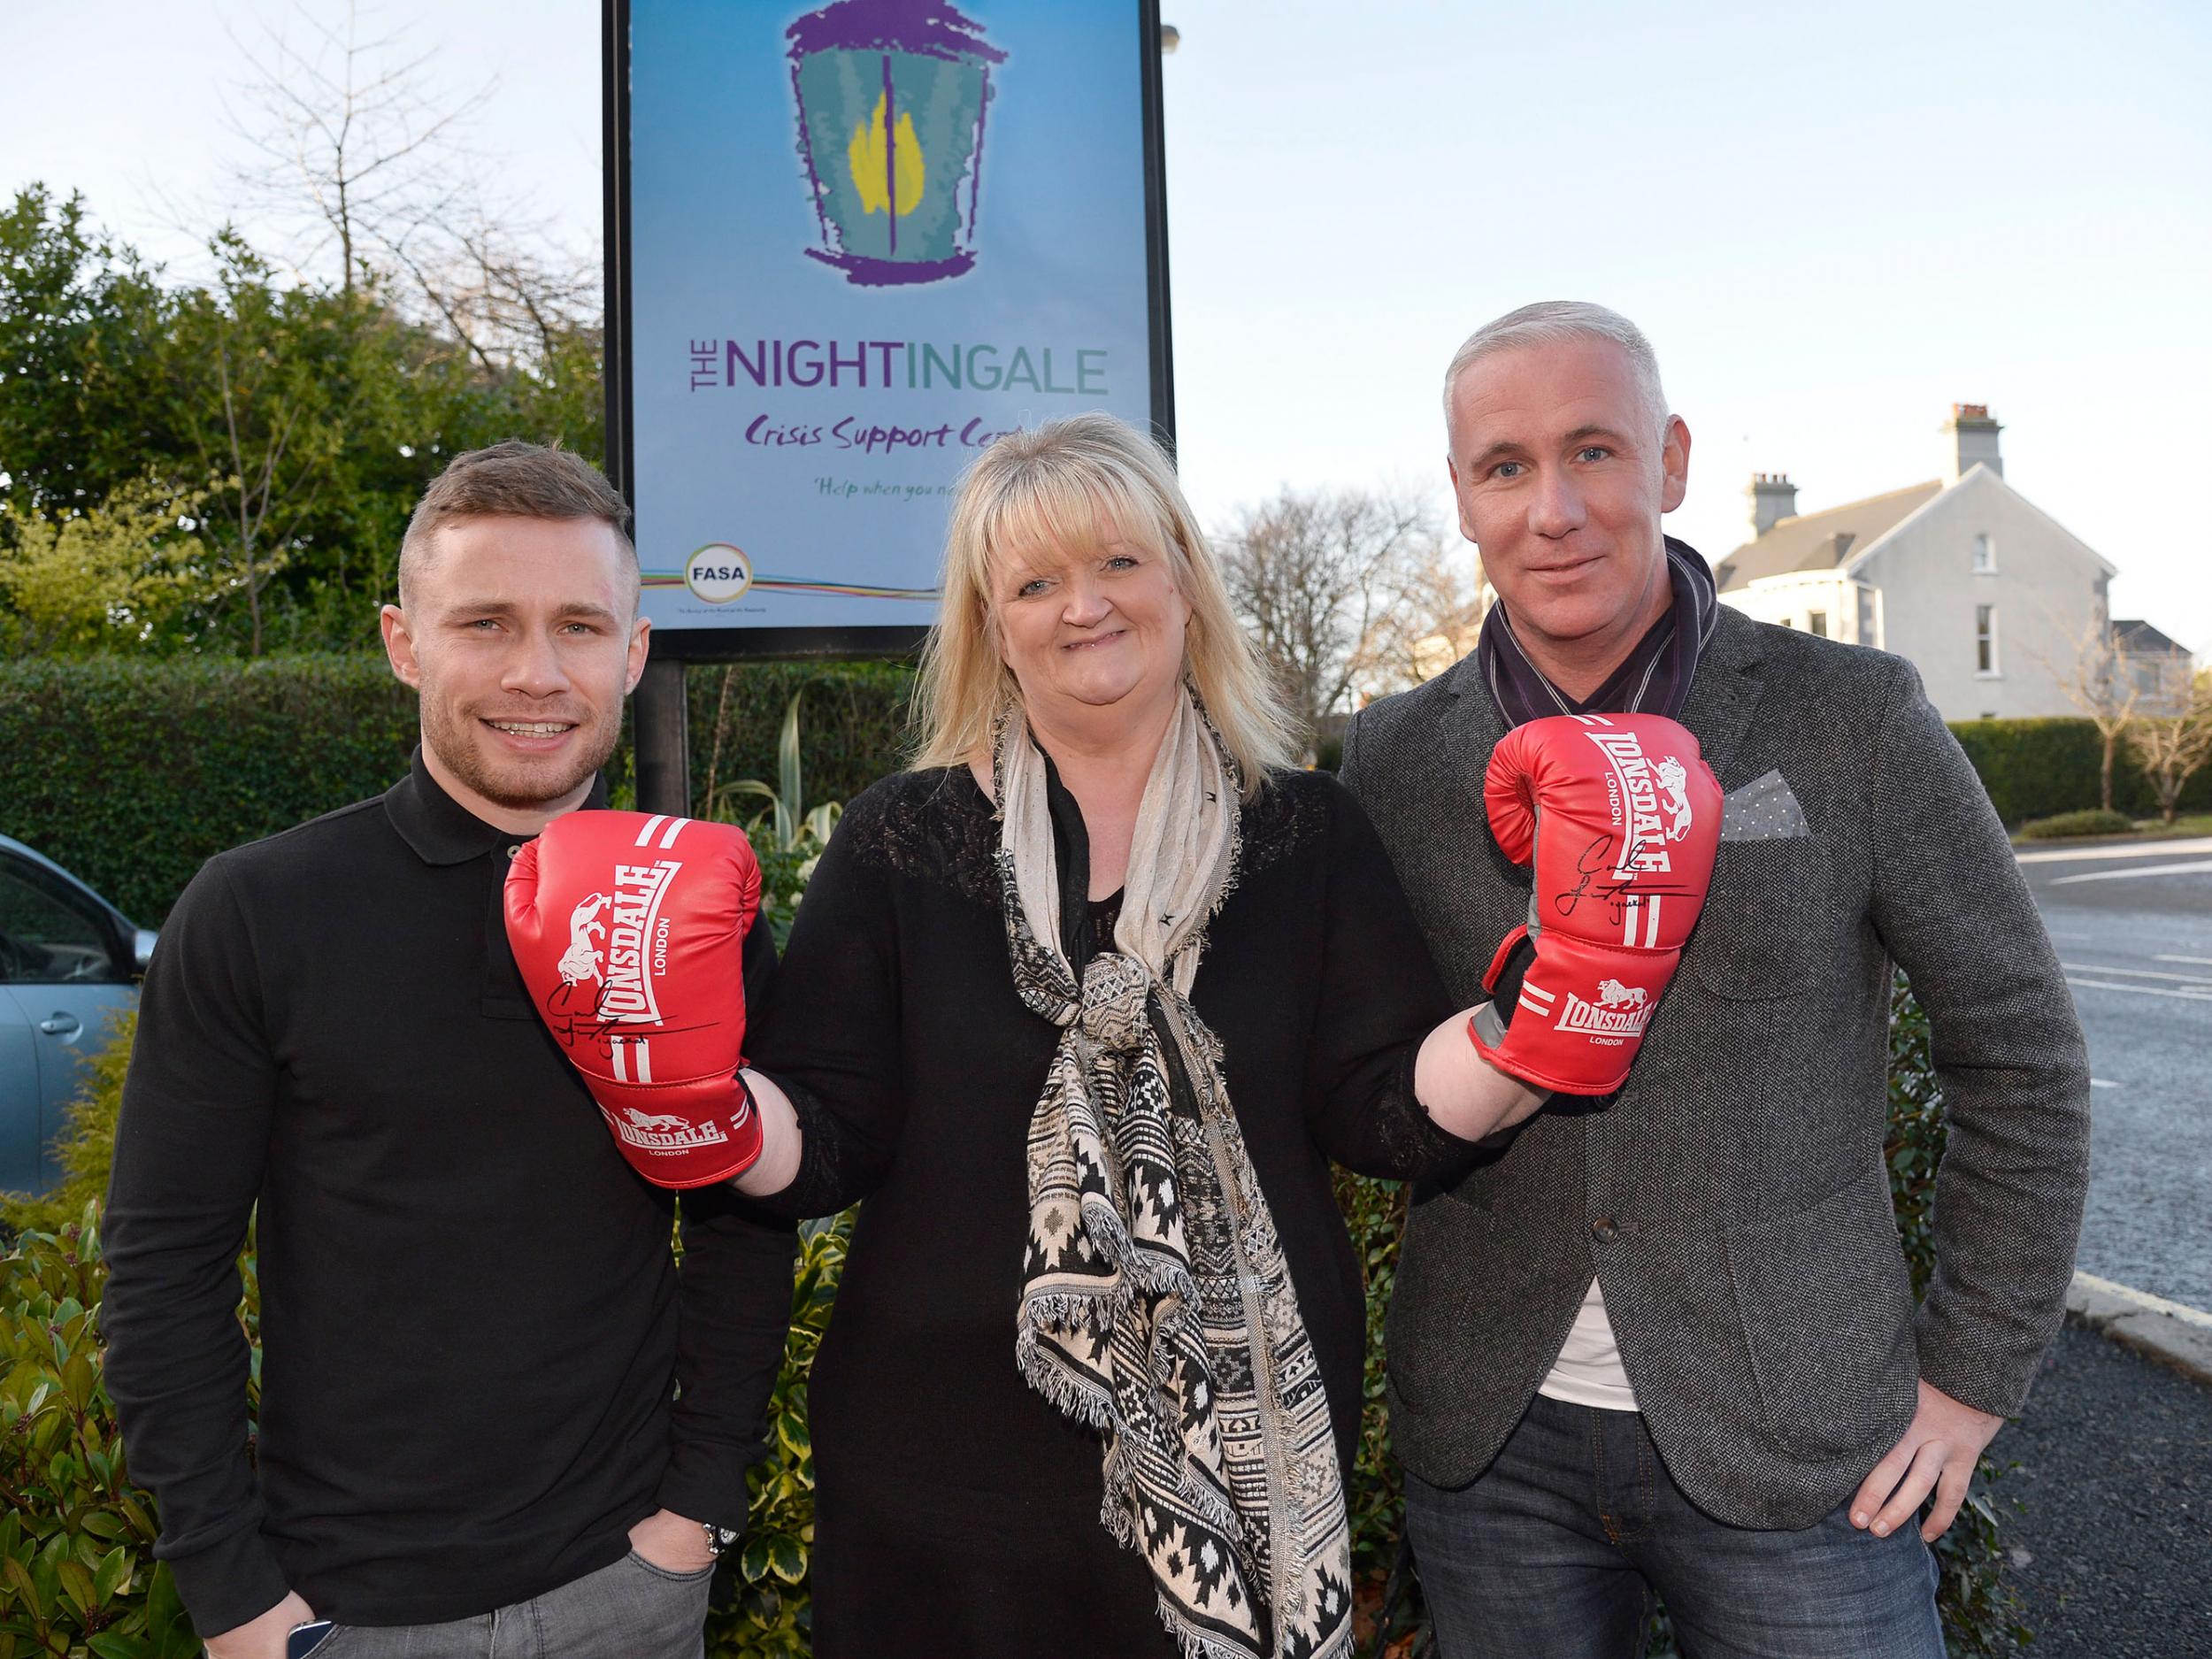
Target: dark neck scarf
column 1654, row 677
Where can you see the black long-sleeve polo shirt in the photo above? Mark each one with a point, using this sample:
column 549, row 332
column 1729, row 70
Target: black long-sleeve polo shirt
column 470, row 1316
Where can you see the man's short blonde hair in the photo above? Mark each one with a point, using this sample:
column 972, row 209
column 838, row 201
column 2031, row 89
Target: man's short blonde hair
column 514, row 479
column 1068, row 484
column 1553, row 322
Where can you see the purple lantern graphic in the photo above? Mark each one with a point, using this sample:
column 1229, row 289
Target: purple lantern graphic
column 892, row 98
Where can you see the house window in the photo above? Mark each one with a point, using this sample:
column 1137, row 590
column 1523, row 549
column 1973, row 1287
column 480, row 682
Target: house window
column 1816, row 622
column 1985, row 556
column 1986, row 639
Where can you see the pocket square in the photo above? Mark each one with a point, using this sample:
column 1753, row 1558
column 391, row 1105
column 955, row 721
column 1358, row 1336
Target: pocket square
column 1763, row 809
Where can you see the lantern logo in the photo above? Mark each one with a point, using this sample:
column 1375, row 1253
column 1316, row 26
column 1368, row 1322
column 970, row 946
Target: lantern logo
column 892, row 98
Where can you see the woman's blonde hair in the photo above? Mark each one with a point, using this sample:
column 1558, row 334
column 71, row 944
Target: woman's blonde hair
column 1062, row 484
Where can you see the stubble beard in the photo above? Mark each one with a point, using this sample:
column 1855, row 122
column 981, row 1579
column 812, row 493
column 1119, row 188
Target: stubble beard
column 520, row 785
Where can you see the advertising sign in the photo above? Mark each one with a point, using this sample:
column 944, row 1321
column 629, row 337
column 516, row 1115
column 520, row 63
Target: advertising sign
column 850, row 245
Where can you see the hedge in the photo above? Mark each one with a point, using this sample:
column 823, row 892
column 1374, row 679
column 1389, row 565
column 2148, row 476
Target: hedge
column 2040, row 768
column 131, row 772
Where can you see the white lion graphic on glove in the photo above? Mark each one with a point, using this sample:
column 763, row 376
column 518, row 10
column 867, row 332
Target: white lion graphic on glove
column 580, row 961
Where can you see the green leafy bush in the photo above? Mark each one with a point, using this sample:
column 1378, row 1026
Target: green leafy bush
column 2091, row 821
column 856, row 724
column 77, row 1572
column 1981, row 1613
column 761, row 1606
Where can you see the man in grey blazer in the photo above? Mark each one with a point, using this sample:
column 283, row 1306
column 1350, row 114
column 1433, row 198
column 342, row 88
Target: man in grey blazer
column 1665, row 1340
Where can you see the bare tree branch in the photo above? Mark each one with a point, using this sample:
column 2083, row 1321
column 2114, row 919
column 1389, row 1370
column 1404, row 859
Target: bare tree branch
column 1336, row 587
column 2172, row 749
column 2092, row 676
column 357, row 151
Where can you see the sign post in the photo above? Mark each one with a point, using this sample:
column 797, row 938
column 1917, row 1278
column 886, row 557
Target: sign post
column 847, row 245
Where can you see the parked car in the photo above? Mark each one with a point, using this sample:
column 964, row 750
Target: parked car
column 68, row 961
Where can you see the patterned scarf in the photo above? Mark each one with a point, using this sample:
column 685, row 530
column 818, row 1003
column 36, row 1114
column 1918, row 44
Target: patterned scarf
column 1157, row 1305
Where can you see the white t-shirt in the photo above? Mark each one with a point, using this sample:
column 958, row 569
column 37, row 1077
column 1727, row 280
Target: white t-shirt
column 1588, row 1371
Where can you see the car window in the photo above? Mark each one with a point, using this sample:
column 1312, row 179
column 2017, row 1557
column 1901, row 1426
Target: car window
column 49, row 937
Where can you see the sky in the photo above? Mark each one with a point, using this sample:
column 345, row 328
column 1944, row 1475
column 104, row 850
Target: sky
column 1832, row 222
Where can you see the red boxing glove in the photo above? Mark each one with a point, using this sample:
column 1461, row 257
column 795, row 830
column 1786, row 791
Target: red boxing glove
column 630, row 932
column 1620, row 817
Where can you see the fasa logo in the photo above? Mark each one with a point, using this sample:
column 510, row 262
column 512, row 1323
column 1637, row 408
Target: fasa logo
column 893, row 96
column 718, row 573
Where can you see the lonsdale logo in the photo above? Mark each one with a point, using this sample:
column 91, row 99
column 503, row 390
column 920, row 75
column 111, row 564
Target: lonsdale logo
column 1634, row 792
column 1621, row 1010
column 626, row 993
column 656, row 1132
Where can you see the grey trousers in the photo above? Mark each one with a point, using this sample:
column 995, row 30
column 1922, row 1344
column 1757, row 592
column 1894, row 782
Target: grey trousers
column 630, row 1611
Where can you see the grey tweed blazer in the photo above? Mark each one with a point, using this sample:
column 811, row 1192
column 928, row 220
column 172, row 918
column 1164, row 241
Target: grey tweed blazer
column 1732, row 1199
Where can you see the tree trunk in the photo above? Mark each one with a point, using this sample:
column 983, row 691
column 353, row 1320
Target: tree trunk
column 2111, row 742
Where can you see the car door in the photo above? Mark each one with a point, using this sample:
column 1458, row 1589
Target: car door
column 22, row 1108
column 65, row 970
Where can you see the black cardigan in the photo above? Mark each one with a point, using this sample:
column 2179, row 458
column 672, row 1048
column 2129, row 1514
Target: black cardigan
column 955, row 1505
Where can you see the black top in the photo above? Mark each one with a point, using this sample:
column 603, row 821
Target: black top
column 957, row 1510
column 469, row 1308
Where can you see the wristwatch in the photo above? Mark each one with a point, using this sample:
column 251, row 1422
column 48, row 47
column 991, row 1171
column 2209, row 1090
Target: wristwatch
column 719, row 1538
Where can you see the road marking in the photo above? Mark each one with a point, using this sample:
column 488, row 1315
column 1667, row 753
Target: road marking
column 2098, row 1082
column 2199, row 868
column 2151, row 850
column 2203, row 961
column 2144, row 1299
column 2142, row 990
column 2136, row 973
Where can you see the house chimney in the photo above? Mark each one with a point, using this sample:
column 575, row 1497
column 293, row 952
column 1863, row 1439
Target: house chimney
column 1772, row 497
column 1974, row 439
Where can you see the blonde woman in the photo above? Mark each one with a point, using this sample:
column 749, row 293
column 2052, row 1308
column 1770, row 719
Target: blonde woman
column 1083, row 1006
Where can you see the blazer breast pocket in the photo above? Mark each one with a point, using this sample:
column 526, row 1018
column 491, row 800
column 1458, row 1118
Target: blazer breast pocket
column 1770, row 922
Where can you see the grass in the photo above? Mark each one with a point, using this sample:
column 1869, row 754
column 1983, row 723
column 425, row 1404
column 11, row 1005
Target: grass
column 2145, row 829
column 2187, row 824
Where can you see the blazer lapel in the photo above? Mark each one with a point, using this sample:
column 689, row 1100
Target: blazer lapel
column 1472, row 726
column 1724, row 693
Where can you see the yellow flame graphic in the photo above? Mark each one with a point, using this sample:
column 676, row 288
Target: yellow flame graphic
column 865, row 156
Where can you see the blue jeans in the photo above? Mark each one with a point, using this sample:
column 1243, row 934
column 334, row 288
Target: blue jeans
column 1555, row 1551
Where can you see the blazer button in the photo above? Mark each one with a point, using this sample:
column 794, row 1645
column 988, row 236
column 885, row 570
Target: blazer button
column 1603, row 1230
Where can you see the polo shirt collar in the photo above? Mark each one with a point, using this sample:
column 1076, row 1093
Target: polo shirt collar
column 440, row 829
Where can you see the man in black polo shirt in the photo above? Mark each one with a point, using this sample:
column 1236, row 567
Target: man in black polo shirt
column 471, row 1318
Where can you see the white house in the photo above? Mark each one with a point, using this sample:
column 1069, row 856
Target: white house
column 1988, row 595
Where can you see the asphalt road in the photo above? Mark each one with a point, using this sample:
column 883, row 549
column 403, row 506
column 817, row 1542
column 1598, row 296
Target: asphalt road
column 2133, row 925
column 2111, row 1554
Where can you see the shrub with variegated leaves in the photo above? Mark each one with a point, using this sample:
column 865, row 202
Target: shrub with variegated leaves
column 77, row 1572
